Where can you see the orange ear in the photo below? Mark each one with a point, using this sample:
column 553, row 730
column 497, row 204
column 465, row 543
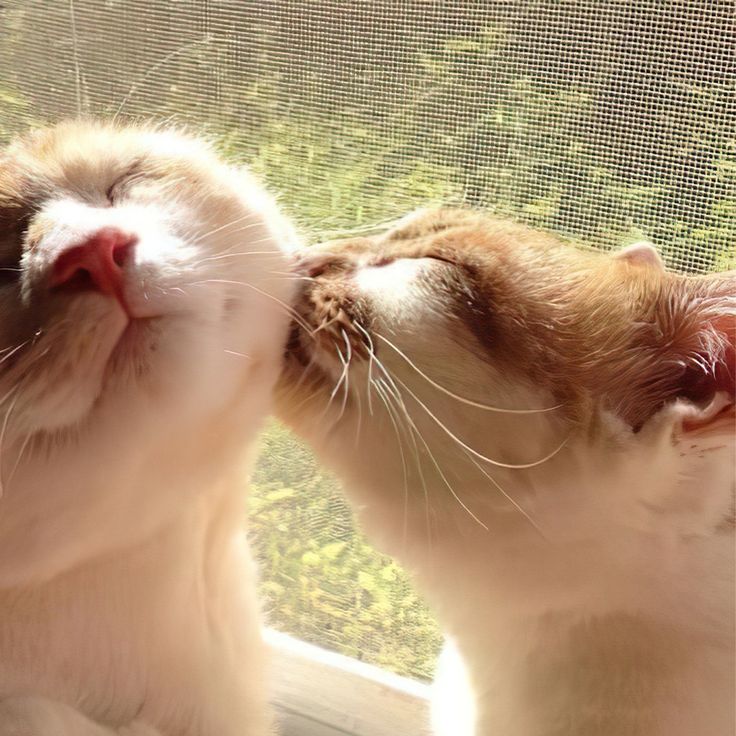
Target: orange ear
column 641, row 253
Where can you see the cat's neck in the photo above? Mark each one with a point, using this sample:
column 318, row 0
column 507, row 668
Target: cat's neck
column 605, row 608
column 591, row 637
column 561, row 674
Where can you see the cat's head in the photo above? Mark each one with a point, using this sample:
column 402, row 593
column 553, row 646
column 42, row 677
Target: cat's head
column 445, row 359
column 141, row 293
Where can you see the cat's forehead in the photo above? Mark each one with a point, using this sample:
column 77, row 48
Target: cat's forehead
column 80, row 156
column 463, row 237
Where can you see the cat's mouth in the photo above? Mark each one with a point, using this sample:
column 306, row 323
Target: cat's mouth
column 333, row 325
column 72, row 368
column 347, row 300
column 136, row 340
column 347, row 294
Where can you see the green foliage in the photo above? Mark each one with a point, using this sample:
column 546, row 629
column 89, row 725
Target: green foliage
column 321, row 580
column 324, row 179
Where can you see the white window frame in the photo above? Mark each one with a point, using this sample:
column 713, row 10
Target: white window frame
column 321, row 693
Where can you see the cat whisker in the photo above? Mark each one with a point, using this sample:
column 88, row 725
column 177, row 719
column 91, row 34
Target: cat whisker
column 507, row 496
column 3, row 430
column 200, row 240
column 250, row 217
column 346, row 364
column 239, row 355
column 468, row 451
column 280, row 276
column 289, row 310
column 359, row 423
column 304, row 373
column 220, row 256
column 400, row 445
column 13, row 351
column 294, row 276
column 480, row 456
column 18, row 459
column 338, row 384
column 135, row 86
column 459, row 398
column 411, row 430
column 371, row 359
column 442, row 475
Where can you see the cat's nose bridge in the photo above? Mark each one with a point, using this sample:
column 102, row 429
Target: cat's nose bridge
column 96, row 264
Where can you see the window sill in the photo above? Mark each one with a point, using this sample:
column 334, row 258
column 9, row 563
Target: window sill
column 320, row 693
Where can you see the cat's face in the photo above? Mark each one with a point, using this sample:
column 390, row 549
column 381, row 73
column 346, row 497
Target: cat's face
column 453, row 348
column 141, row 289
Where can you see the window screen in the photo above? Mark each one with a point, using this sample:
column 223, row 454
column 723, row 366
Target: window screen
column 606, row 122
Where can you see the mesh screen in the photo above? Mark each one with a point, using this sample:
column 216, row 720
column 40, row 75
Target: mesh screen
column 607, row 121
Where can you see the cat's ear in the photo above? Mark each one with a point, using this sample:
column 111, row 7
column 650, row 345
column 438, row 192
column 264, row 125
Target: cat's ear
column 641, row 253
column 708, row 350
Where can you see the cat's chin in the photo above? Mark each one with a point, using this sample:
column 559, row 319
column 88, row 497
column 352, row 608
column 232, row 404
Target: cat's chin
column 131, row 355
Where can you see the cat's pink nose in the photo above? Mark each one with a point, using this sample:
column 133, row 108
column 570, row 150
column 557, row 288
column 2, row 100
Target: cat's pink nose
column 95, row 265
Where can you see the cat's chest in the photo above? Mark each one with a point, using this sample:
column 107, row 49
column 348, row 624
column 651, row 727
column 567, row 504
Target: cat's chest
column 151, row 650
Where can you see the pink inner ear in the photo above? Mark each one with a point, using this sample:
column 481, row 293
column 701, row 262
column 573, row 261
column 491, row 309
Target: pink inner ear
column 725, row 369
column 641, row 253
column 713, row 370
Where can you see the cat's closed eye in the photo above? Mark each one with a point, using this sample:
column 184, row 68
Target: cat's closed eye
column 123, row 182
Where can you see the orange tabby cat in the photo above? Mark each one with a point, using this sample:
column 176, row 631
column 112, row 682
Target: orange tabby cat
column 545, row 438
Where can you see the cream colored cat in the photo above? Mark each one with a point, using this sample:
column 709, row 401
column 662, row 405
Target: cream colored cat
column 545, row 438
column 142, row 329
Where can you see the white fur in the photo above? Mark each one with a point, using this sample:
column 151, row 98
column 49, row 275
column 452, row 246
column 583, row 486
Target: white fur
column 592, row 594
column 126, row 585
column 392, row 284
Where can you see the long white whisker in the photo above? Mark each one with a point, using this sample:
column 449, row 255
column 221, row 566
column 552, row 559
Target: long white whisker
column 151, row 70
column 506, row 495
column 14, row 350
column 220, row 256
column 17, row 460
column 337, row 385
column 443, row 476
column 462, row 399
column 343, row 373
column 412, row 431
column 400, row 443
column 239, row 355
column 371, row 359
column 289, row 310
column 200, row 240
column 468, row 453
column 480, row 456
column 238, row 220
column 6, row 420
column 347, row 374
